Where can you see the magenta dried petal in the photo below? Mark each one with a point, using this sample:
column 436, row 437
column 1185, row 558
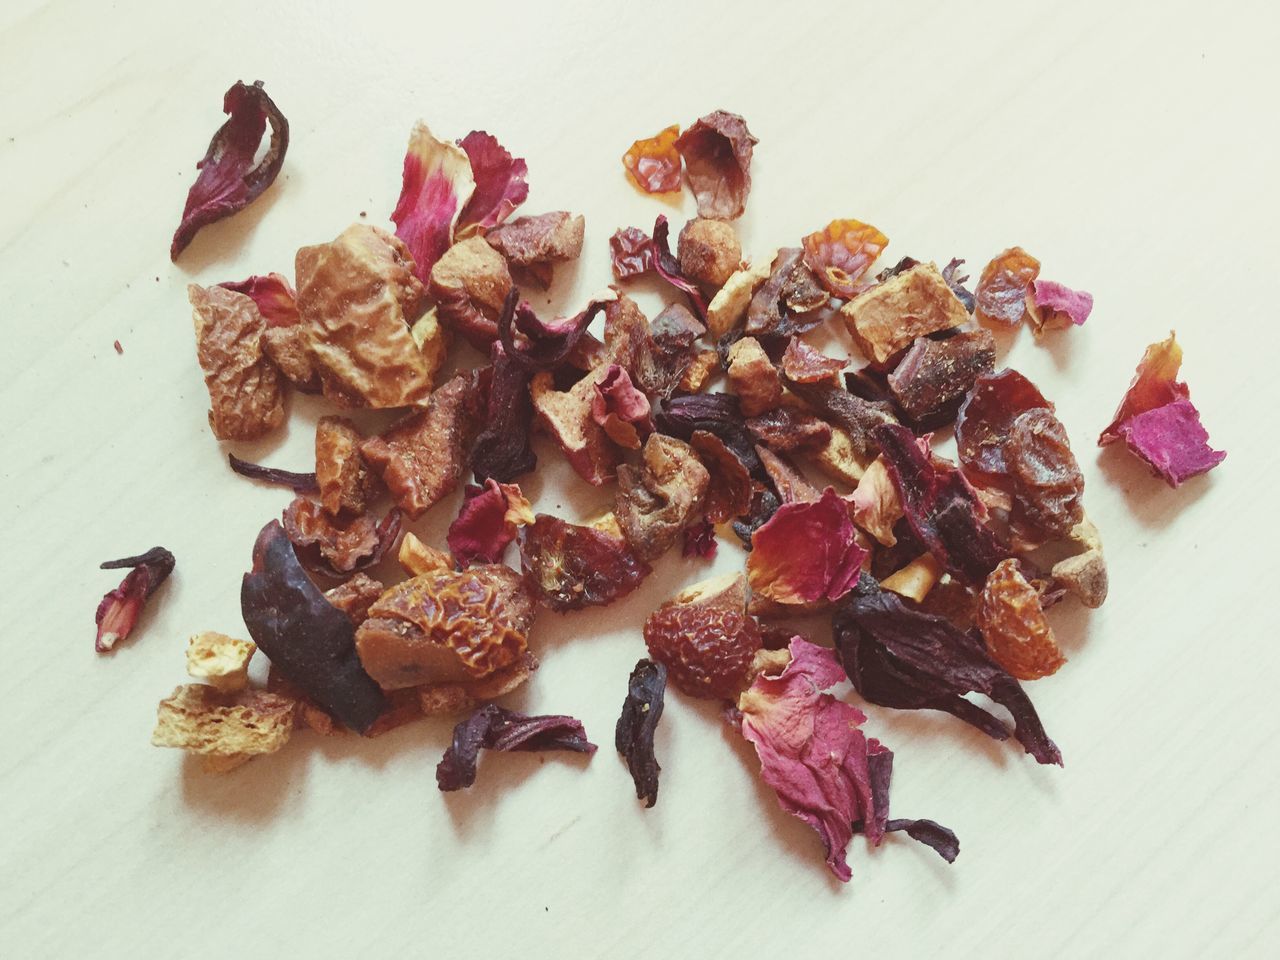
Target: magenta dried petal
column 1172, row 441
column 668, row 267
column 500, row 183
column 297, row 482
column 1054, row 299
column 633, row 735
column 119, row 610
column 546, row 344
column 806, row 552
column 717, row 161
column 274, row 295
column 229, row 179
column 487, row 522
column 437, row 184
column 631, row 253
column 700, row 540
column 495, row 728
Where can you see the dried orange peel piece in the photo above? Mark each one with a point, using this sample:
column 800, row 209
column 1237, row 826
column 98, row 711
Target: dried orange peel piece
column 654, row 163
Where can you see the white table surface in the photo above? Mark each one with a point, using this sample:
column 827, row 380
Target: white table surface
column 1132, row 147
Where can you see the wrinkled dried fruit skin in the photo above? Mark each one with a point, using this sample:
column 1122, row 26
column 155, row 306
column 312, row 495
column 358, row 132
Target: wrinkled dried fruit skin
column 500, row 183
column 422, row 457
column 358, row 296
column 1004, row 289
column 627, row 335
column 888, row 317
column 1084, row 574
column 469, row 284
column 246, row 394
column 841, row 253
column 491, row 727
column 986, row 419
column 1047, row 484
column 354, row 597
column 119, row 609
column 729, row 482
column 717, row 157
column 337, row 548
column 344, row 481
column 655, row 503
column 709, row 252
column 309, row 640
column 570, row 566
column 1016, row 631
column 933, row 377
column 566, row 416
column 707, row 650
column 446, row 627
column 633, row 735
column 543, row 239
column 630, row 253
column 787, row 430
column 653, row 163
column 806, row 552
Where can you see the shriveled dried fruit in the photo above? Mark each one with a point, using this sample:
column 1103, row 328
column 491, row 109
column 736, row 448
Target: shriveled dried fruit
column 932, row 378
column 442, row 699
column 657, row 501
column 494, row 728
column 469, row 283
column 1013, row 624
column 841, row 253
column 199, row 719
column 806, row 552
column 344, row 481
column 717, row 160
column 1004, row 289
column 631, row 253
column 356, row 595
column 500, row 183
column 446, row 627
column 566, row 416
column 534, row 244
column 729, row 482
column 654, row 162
column 338, row 547
column 297, row 482
column 437, row 183
column 706, row 649
column 633, row 736
column 221, row 660
column 487, row 522
column 246, row 394
column 709, row 252
column 791, row 485
column 770, row 314
column 886, row 318
column 119, row 610
column 753, row 377
column 704, row 365
column 1055, row 307
column 570, row 566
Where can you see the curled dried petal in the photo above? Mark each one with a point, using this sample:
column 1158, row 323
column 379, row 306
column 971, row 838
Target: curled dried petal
column 668, row 267
column 1004, row 289
column 1154, row 384
column 500, row 183
column 437, row 184
column 717, row 157
column 634, row 733
column 841, row 253
column 118, row 611
column 487, row 522
column 654, row 162
column 875, row 504
column 806, row 552
column 1013, row 624
column 620, row 409
column 494, row 728
column 546, row 344
column 1057, row 306
column 274, row 296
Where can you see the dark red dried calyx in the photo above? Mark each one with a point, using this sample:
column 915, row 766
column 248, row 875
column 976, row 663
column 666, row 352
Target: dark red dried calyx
column 956, row 281
column 502, row 451
column 637, row 725
column 764, row 504
column 229, row 178
column 668, row 267
column 569, row 567
column 308, row 640
column 631, row 253
column 118, row 611
column 494, row 728
column 716, row 413
column 700, row 540
column 545, row 345
column 297, row 482
column 938, row 838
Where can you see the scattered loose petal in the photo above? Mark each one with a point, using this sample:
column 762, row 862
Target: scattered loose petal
column 297, row 482
column 668, row 267
column 1155, row 384
column 938, row 838
column 654, row 163
column 500, row 183
column 875, row 504
column 437, row 184
column 634, row 733
column 1057, row 306
column 620, row 409
column 842, row 253
column 717, row 159
column 494, row 728
column 487, row 522
column 119, row 610
column 274, row 296
column 806, row 552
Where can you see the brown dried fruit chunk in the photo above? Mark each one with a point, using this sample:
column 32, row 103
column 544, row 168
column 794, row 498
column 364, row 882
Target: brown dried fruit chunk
column 791, row 484
column 346, row 485
column 1047, row 484
column 446, row 627
column 886, row 318
column 1014, row 626
column 336, row 548
column 655, row 504
column 753, row 377
column 246, row 396
column 354, row 597
column 787, row 430
column 729, row 484
column 931, row 380
column 706, row 648
column 422, row 457
column 534, row 243
column 469, row 284
column 441, row 699
column 728, row 307
column 709, row 252
column 566, row 416
column 199, row 719
column 1084, row 574
column 1004, row 287
column 717, row 163
column 571, row 566
column 358, row 297
column 289, row 348
column 417, row 558
column 803, row 364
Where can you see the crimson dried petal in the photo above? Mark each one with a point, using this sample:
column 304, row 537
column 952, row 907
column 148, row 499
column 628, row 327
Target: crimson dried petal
column 437, row 184
column 801, row 363
column 503, row 451
column 700, row 540
column 274, row 294
column 631, row 253
column 333, row 548
column 297, row 482
column 841, row 253
column 229, row 178
column 495, row 728
column 654, row 162
column 806, row 552
column 717, row 158
column 119, row 610
column 487, row 522
column 546, row 345
column 633, row 736
column 898, row 656
column 942, row 509
column 934, row 835
column 500, row 183
column 812, row 752
column 309, row 641
column 570, row 566
column 668, row 267
column 620, row 409
column 1057, row 305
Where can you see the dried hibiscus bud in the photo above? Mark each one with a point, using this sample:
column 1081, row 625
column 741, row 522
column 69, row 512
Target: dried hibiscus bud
column 297, row 482
column 806, row 552
column 494, row 728
column 470, row 283
column 753, row 377
column 657, row 501
column 1013, row 624
column 631, row 253
column 709, row 252
column 654, row 163
column 803, row 364
column 119, row 610
column 487, row 522
column 336, row 548
column 246, row 395
column 840, row 254
column 633, row 735
column 446, row 627
column 534, row 244
column 500, row 183
column 620, row 409
column 570, row 566
column 345, row 483
column 437, row 183
column 889, row 316
column 706, row 645
column 1004, row 289
column 931, row 380
column 729, row 482
column 935, row 836
column 717, row 159
column 229, row 178
column 309, row 640
column 1054, row 306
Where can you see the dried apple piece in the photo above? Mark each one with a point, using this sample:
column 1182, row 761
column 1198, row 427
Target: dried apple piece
column 246, row 395
column 221, row 660
column 889, row 316
column 233, row 727
column 841, row 253
column 654, row 162
column 709, row 252
column 658, row 500
column 470, row 283
column 342, row 477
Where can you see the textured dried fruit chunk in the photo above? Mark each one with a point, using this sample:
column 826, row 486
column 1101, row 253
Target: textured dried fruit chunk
column 199, row 719
column 356, row 595
column 656, row 502
column 437, row 183
column 469, row 284
column 246, row 394
column 119, row 610
column 417, row 558
column 753, row 377
column 566, row 416
column 841, row 253
column 855, row 416
column 932, row 378
column 630, row 253
column 358, row 296
column 344, row 481
column 633, row 735
column 1004, row 289
column 221, row 660
column 338, row 547
column 493, row 728
column 709, row 252
column 728, row 308
column 534, row 244
column 805, row 552
column 1013, row 624
column 446, row 627
column 570, row 566
column 788, row 430
column 500, row 183
column 1084, row 573
column 706, row 648
column 273, row 295
column 422, row 457
column 442, row 699
column 654, row 162
column 704, row 365
column 717, row 159
column 791, row 485
column 886, row 318
column 916, row 579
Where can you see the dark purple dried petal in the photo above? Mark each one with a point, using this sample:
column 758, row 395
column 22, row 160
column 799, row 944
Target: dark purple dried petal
column 956, row 281
column 668, row 267
column 634, row 733
column 631, row 252
column 546, row 344
column 717, row 413
column 119, row 610
column 502, row 450
column 495, row 728
column 764, row 504
column 940, row 839
column 297, row 482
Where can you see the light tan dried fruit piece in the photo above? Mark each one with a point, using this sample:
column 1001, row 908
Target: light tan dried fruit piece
column 709, row 252
column 289, row 348
column 199, row 719
column 704, row 365
column 656, row 502
column 221, row 660
column 358, row 298
column 469, row 284
column 446, row 627
column 753, row 377
column 1013, row 624
column 356, row 595
column 421, row 458
column 728, row 307
column 345, row 482
column 566, row 416
column 417, row 558
column 916, row 579
column 1084, row 575
column 885, row 319
column 246, row 396
column 442, row 699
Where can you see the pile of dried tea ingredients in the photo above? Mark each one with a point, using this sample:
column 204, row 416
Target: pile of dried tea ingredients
column 715, row 418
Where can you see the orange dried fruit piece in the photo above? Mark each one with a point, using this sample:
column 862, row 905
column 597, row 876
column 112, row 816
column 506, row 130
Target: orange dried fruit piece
column 654, row 162
column 1013, row 624
column 1001, row 294
column 841, row 253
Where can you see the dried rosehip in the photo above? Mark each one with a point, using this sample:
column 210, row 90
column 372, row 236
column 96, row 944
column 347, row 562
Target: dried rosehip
column 841, row 253
column 1014, row 626
column 717, row 158
column 654, row 162
column 707, row 650
column 1004, row 287
column 570, row 566
column 337, row 548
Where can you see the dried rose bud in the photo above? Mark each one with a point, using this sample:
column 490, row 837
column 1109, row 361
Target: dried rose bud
column 119, row 610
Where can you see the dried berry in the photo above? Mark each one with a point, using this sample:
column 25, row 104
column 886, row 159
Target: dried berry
column 493, row 728
column 634, row 733
column 119, row 610
column 654, row 163
column 841, row 253
column 1013, row 624
column 297, row 482
column 1004, row 289
column 706, row 649
column 717, row 158
column 570, row 566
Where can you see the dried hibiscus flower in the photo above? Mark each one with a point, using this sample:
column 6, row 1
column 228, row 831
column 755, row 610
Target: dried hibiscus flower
column 1004, row 289
column 119, row 610
column 297, row 482
column 502, row 450
column 495, row 728
column 570, row 566
column 335, row 548
column 487, row 522
column 545, row 344
column 717, row 159
column 935, row 836
column 654, row 163
column 716, row 413
column 620, row 409
column 898, row 656
column 437, row 184
column 1158, row 421
column 634, row 733
column 956, row 281
column 841, row 253
column 1054, row 306
column 806, row 552
column 229, row 178
column 1013, row 624
column 631, row 253
column 500, row 183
